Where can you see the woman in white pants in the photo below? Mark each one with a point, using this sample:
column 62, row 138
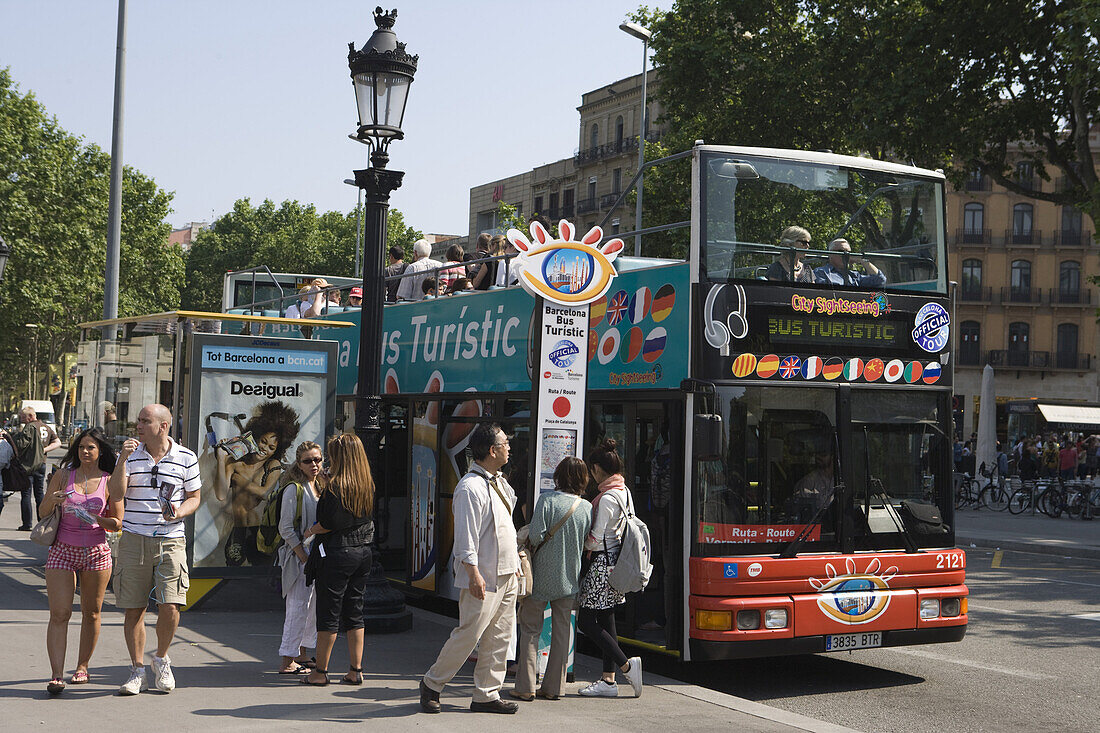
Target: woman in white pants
column 300, row 626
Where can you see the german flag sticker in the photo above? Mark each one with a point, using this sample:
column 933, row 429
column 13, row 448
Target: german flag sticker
column 744, row 365
column 833, row 368
column 873, row 370
column 663, row 302
column 768, row 366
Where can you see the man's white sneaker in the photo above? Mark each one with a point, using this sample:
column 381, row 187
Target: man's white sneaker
column 633, row 674
column 136, row 682
column 162, row 674
column 600, row 688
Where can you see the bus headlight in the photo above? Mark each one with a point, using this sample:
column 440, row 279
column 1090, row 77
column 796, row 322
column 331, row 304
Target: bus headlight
column 950, row 607
column 930, row 608
column 713, row 620
column 775, row 618
column 748, row 620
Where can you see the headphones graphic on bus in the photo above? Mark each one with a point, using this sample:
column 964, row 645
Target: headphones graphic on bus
column 717, row 332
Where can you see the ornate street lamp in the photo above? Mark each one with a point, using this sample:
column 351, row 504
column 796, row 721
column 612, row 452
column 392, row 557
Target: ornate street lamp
column 643, row 35
column 381, row 73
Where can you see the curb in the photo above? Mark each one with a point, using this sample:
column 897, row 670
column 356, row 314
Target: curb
column 1042, row 548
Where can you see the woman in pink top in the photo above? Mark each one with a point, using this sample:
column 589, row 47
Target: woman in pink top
column 79, row 487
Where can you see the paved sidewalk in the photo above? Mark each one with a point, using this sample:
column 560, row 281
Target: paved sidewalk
column 225, row 661
column 1027, row 532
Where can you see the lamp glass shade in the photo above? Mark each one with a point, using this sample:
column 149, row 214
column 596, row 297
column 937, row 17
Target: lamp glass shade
column 381, row 98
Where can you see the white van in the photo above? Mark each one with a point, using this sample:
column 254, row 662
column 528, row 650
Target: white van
column 43, row 409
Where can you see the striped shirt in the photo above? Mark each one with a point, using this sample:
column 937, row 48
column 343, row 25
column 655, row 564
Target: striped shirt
column 173, row 476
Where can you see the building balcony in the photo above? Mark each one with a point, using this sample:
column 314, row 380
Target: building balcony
column 607, row 200
column 608, row 150
column 1072, row 238
column 979, row 184
column 1019, row 359
column 1033, row 237
column 586, row 206
column 550, row 213
column 969, row 357
column 1072, row 360
column 567, row 211
column 975, row 295
column 1030, row 183
column 1069, row 296
column 972, row 236
column 1014, row 295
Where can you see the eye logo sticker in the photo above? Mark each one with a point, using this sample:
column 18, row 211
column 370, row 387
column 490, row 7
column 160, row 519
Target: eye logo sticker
column 567, row 271
column 854, row 598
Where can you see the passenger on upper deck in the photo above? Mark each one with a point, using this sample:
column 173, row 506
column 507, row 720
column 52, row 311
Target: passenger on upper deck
column 783, row 269
column 838, row 272
column 414, row 275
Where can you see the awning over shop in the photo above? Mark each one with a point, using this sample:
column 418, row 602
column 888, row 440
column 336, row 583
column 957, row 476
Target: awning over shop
column 1071, row 416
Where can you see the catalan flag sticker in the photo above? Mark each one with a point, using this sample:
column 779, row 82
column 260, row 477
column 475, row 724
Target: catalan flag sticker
column 596, row 312
column 913, row 371
column 894, row 369
column 833, row 368
column 853, row 370
column 639, row 305
column 768, row 366
column 931, row 372
column 811, row 367
column 873, row 370
column 663, row 302
column 744, row 365
column 631, row 347
column 654, row 345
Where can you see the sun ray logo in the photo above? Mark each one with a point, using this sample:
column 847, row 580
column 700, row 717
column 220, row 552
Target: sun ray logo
column 565, row 271
column 854, row 598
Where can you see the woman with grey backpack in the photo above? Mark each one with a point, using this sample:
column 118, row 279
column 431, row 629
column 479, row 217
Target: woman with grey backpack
column 598, row 598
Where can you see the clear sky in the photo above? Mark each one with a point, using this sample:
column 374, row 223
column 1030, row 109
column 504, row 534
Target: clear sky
column 227, row 99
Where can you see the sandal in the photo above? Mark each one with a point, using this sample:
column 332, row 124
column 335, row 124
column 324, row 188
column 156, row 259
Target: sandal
column 358, row 672
column 300, row 669
column 55, row 686
column 80, row 677
column 318, row 670
column 310, row 663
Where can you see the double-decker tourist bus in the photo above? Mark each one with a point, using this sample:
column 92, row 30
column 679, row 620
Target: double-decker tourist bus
column 787, row 441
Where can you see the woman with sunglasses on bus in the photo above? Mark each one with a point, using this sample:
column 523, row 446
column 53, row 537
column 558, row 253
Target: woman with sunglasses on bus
column 297, row 513
column 597, row 599
column 344, row 523
column 789, row 267
column 79, row 488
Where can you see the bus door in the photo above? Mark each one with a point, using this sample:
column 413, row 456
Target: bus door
column 647, row 434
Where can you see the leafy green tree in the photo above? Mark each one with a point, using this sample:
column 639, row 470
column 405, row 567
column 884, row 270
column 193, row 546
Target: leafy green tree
column 53, row 214
column 400, row 234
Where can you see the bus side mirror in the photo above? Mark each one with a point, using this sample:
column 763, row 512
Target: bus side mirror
column 707, row 437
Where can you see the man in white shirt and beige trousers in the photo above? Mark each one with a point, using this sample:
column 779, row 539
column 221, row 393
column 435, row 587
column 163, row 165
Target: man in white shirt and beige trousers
column 486, row 566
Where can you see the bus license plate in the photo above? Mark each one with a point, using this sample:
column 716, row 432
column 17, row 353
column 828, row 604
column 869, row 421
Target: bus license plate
column 843, row 642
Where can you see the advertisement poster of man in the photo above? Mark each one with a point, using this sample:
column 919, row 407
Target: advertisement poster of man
column 254, row 401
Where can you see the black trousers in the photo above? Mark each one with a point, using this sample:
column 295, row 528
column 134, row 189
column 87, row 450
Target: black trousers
column 32, row 496
column 599, row 626
column 340, row 585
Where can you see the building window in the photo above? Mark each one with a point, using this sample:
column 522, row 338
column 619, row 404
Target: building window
column 1021, row 281
column 970, row 347
column 487, row 222
column 1025, row 174
column 973, row 223
column 615, row 225
column 619, row 133
column 1018, row 343
column 1022, row 216
column 1071, row 227
column 1069, row 282
column 617, row 180
column 971, row 280
column 1066, row 356
column 552, row 212
column 594, row 136
column 567, row 203
column 538, row 205
column 592, row 188
column 976, row 181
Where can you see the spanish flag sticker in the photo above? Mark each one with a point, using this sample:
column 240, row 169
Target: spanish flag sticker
column 744, row 365
column 768, row 366
column 833, row 368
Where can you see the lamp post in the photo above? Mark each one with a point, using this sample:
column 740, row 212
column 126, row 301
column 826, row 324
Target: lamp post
column 642, row 34
column 32, row 368
column 381, row 73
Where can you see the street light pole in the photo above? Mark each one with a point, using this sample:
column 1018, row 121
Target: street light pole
column 381, row 73
column 32, row 368
column 643, row 34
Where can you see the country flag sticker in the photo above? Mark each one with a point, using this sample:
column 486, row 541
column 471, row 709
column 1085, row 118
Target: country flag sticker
column 894, row 369
column 663, row 302
column 913, row 371
column 744, row 365
column 654, row 345
column 768, row 366
column 639, row 305
column 833, row 368
column 631, row 347
column 593, row 343
column 790, row 368
column 596, row 312
column 616, row 308
column 811, row 368
column 932, row 372
column 873, row 370
column 853, row 370
column 609, row 346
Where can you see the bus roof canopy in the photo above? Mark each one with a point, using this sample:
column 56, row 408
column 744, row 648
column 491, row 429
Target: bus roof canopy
column 165, row 322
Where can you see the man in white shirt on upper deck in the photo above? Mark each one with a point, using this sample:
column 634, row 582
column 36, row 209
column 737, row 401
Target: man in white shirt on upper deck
column 415, row 273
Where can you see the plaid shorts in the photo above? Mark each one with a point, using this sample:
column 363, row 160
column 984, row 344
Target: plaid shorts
column 78, row 559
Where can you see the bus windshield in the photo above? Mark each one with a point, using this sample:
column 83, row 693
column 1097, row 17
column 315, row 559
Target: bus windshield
column 891, row 220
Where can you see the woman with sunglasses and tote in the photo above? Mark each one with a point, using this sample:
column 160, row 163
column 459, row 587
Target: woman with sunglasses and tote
column 297, row 514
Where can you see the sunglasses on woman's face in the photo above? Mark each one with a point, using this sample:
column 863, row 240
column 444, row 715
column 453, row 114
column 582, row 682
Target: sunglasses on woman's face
column 312, row 460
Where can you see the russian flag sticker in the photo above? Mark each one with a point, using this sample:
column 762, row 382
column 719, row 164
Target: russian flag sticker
column 654, row 345
column 932, row 372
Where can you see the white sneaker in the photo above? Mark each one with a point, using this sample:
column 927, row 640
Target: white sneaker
column 162, row 674
column 136, row 683
column 600, row 688
column 633, row 675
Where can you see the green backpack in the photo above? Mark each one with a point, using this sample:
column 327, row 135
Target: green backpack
column 268, row 538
